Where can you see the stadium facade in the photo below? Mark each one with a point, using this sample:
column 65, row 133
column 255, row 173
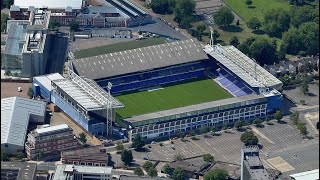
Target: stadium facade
column 254, row 90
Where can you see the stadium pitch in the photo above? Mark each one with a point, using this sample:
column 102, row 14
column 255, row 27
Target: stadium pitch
column 170, row 97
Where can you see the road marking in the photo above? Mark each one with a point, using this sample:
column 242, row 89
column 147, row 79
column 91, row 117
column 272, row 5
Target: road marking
column 291, row 127
column 225, row 157
column 207, row 143
column 215, row 149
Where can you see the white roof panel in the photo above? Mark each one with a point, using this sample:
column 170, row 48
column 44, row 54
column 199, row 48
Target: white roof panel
column 308, row 175
column 51, row 4
column 51, row 128
column 45, row 80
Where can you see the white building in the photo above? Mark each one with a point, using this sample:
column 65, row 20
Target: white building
column 75, row 172
column 308, row 175
column 16, row 112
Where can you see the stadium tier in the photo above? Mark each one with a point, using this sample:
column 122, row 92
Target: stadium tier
column 218, row 85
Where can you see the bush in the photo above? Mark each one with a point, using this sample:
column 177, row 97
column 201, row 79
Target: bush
column 147, row 165
column 208, row 158
column 248, row 138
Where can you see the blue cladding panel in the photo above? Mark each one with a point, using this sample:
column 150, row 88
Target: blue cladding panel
column 43, row 91
column 275, row 103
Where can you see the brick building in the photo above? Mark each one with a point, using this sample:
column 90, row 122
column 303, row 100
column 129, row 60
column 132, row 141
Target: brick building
column 92, row 156
column 50, row 140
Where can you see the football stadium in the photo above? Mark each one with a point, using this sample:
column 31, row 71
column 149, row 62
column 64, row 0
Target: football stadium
column 162, row 90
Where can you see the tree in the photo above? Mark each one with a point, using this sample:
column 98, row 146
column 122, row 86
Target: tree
column 186, row 22
column 138, row 171
column 178, row 157
column 179, row 174
column 53, row 24
column 147, row 165
column 215, row 36
column 152, row 172
column 248, row 3
column 4, row 19
column 238, row 124
column 303, row 129
column 276, row 21
column 262, row 46
column 234, row 41
column 223, row 17
column 225, row 126
column 8, row 3
column 216, row 174
column 4, row 156
column 126, row 156
column 304, row 87
column 300, row 15
column 257, row 122
column 185, row 7
column 19, row 155
column 83, row 138
column 162, row 6
column 208, row 158
column 137, row 142
column 74, row 26
column 200, row 28
column 204, row 129
column 254, row 23
column 248, row 138
column 167, row 169
column 244, row 46
column 213, row 131
column 192, row 133
column 119, row 146
column 278, row 116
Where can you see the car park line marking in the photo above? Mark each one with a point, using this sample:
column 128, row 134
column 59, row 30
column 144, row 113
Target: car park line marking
column 215, row 149
column 207, row 143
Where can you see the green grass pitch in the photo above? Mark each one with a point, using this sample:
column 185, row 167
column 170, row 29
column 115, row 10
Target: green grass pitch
column 171, row 97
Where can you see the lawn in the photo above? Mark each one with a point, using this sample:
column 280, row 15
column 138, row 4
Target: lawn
column 119, row 47
column 257, row 8
column 171, row 97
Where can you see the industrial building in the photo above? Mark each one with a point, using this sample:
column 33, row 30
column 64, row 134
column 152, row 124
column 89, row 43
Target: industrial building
column 81, row 99
column 75, row 172
column 18, row 170
column 251, row 165
column 27, row 47
column 50, row 140
column 92, row 156
column 16, row 113
column 113, row 13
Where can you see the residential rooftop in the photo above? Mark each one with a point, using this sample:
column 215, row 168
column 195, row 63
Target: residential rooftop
column 18, row 170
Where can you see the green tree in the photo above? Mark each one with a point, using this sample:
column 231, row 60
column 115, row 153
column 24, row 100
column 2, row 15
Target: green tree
column 278, row 116
column 83, row 138
column 192, row 133
column 300, row 15
column 238, row 124
column 234, row 41
column 216, row 174
column 162, row 6
column 249, row 3
column 19, row 155
column 178, row 157
column 257, row 122
column 276, row 21
column 138, row 171
column 303, row 129
column 8, row 3
column 167, row 169
column 304, row 87
column 215, row 35
column 4, row 156
column 213, row 131
column 30, row 93
column 126, row 156
column 208, row 158
column 262, row 46
column 223, row 17
column 179, row 174
column 53, row 24
column 147, row 165
column 74, row 26
column 204, row 129
column 200, row 28
column 137, row 142
column 244, row 46
column 119, row 146
column 186, row 22
column 248, row 138
column 152, row 172
column 225, row 126
column 4, row 19
column 254, row 23
column 185, row 7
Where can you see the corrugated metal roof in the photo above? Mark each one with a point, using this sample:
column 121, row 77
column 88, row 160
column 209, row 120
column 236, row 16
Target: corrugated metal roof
column 15, row 113
column 308, row 175
column 51, row 4
column 45, row 80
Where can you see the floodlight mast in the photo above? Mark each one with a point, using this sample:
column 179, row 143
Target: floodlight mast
column 211, row 37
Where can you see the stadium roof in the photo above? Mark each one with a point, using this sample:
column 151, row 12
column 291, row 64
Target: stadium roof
column 140, row 59
column 15, row 114
column 308, row 175
column 45, row 80
column 50, row 4
column 195, row 107
column 87, row 93
column 243, row 66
